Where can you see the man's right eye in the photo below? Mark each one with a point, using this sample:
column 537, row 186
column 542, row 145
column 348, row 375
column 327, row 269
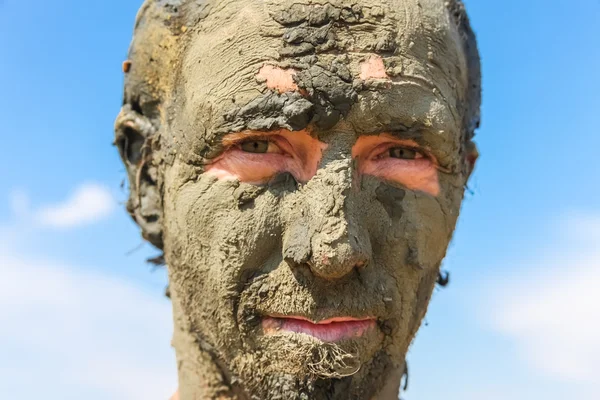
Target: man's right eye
column 259, row 147
column 256, row 157
column 404, row 153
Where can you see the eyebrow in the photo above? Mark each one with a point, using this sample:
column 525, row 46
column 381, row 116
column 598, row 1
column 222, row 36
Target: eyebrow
column 417, row 130
column 401, row 131
column 232, row 138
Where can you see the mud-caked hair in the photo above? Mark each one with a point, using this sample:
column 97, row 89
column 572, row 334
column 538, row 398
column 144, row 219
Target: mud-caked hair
column 472, row 112
column 150, row 70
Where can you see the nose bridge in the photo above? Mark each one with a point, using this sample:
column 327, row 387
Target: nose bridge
column 329, row 191
column 335, row 235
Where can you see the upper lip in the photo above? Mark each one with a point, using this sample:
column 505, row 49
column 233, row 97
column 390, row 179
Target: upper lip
column 327, row 321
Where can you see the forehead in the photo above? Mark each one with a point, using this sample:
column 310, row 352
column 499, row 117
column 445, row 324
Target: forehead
column 416, row 40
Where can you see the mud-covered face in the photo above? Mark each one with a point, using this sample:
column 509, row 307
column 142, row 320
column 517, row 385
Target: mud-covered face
column 316, row 183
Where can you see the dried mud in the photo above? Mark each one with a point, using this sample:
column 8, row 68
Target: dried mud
column 336, row 245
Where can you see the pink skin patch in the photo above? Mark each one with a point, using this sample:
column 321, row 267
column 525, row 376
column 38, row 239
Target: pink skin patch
column 373, row 68
column 331, row 330
column 299, row 154
column 278, row 78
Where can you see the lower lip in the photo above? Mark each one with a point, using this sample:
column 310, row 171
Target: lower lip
column 332, row 330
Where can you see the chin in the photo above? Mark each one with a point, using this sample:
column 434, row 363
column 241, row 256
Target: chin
column 297, row 366
column 304, row 355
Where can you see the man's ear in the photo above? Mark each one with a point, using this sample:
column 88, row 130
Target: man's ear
column 134, row 136
column 471, row 156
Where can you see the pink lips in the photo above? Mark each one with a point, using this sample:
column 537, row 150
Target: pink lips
column 330, row 330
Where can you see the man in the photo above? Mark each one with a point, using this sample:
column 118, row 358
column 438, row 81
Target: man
column 302, row 165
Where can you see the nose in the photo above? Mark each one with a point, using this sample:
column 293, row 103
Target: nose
column 328, row 235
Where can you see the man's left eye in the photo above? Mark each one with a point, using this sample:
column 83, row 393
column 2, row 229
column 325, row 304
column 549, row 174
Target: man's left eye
column 259, row 146
column 404, row 153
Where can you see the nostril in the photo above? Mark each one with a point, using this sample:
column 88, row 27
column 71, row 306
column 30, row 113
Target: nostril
column 337, row 260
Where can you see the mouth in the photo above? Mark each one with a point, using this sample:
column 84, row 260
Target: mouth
column 329, row 330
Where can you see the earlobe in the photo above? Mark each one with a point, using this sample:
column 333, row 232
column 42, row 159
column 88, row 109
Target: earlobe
column 471, row 156
column 133, row 137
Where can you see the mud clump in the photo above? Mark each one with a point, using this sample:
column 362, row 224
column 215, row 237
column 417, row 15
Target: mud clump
column 332, row 93
column 271, row 111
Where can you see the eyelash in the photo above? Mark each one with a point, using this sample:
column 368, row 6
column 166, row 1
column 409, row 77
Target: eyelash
column 284, row 148
column 237, row 144
column 383, row 151
column 424, row 154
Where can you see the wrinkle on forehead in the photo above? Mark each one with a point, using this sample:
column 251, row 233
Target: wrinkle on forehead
column 233, row 45
column 224, row 54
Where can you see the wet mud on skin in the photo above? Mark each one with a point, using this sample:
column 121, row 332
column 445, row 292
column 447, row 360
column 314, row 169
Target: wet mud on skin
column 384, row 286
column 337, row 245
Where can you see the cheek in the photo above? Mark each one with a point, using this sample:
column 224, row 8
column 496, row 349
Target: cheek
column 222, row 224
column 414, row 246
column 420, row 174
column 255, row 168
column 219, row 232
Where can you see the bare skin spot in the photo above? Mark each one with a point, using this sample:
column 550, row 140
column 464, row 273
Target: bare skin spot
column 373, row 68
column 278, row 78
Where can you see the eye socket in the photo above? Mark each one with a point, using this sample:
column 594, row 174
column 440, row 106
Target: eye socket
column 259, row 146
column 404, row 153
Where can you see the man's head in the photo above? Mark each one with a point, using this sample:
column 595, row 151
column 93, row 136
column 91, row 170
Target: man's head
column 302, row 165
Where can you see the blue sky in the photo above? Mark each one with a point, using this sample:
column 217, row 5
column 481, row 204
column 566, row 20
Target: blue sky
column 83, row 316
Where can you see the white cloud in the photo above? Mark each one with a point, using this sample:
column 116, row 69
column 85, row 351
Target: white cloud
column 70, row 334
column 552, row 308
column 87, row 204
column 19, row 203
